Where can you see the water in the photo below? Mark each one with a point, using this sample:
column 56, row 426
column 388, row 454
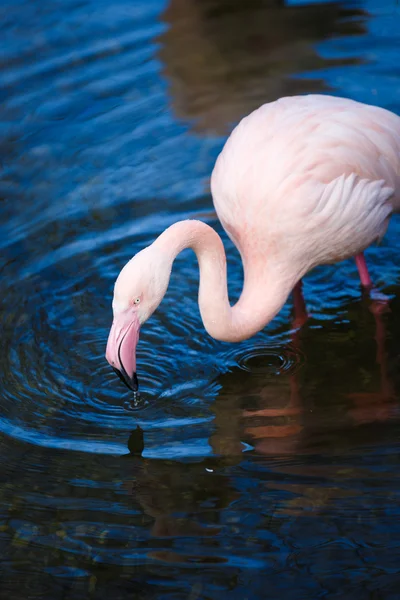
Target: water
column 267, row 467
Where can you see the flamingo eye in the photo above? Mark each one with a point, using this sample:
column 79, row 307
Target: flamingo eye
column 136, row 301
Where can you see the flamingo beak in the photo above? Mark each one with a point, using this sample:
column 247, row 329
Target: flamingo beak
column 121, row 348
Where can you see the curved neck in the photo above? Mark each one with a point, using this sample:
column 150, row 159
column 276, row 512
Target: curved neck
column 265, row 288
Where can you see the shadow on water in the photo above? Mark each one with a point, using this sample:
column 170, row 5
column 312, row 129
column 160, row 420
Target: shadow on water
column 267, row 465
column 222, row 58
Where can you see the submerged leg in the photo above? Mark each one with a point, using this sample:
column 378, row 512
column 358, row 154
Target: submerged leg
column 370, row 407
column 365, row 278
column 300, row 309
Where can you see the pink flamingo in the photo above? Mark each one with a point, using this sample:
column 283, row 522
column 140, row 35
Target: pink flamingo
column 300, row 182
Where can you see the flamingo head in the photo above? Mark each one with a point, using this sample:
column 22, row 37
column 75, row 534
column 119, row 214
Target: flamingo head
column 138, row 290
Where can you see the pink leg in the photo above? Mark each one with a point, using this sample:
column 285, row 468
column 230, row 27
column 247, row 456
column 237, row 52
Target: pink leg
column 365, row 278
column 300, row 310
column 380, row 301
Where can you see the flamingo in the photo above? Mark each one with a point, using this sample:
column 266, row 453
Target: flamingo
column 301, row 181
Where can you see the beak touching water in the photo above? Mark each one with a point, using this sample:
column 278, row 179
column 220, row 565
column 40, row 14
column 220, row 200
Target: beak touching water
column 121, row 347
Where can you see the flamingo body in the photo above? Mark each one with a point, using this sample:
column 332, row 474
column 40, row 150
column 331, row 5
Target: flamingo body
column 300, row 182
column 313, row 176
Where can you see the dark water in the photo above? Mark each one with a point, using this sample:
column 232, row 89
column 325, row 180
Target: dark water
column 267, row 469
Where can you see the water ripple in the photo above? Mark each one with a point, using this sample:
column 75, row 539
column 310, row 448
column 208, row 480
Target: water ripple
column 270, row 360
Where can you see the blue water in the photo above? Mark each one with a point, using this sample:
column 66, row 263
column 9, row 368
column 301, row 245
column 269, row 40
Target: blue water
column 266, row 469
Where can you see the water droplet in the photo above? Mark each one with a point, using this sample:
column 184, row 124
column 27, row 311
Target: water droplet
column 135, row 403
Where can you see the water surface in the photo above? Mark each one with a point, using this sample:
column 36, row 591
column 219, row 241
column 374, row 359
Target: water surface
column 267, row 465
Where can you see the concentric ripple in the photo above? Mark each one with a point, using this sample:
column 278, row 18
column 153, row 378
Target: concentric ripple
column 58, row 389
column 271, row 360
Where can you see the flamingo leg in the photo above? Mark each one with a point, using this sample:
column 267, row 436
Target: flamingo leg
column 300, row 309
column 380, row 301
column 380, row 405
column 365, row 278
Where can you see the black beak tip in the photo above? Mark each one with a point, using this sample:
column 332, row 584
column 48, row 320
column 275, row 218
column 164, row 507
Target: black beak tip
column 131, row 383
column 135, row 383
